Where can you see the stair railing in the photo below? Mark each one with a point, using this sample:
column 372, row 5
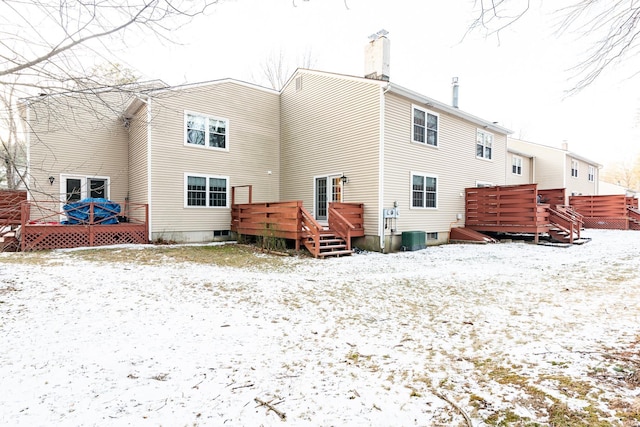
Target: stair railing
column 565, row 222
column 310, row 229
column 634, row 213
column 341, row 226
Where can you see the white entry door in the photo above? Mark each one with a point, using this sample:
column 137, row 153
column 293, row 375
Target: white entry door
column 327, row 189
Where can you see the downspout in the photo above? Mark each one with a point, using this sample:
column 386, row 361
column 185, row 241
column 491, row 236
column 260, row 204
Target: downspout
column 28, row 138
column 149, row 204
column 381, row 169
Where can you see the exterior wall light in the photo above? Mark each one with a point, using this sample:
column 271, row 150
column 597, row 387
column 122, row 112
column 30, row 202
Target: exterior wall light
column 344, row 179
column 51, row 179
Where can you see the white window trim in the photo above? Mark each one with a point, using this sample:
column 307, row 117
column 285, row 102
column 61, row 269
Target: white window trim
column 429, row 175
column 206, row 176
column 475, row 146
column 206, row 145
column 592, row 174
column 577, row 168
column 84, row 185
column 433, row 113
column 519, row 160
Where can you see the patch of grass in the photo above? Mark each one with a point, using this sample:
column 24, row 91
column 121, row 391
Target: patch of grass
column 228, row 255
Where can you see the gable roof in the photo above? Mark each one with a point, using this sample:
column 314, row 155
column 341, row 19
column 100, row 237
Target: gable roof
column 560, row 150
column 408, row 93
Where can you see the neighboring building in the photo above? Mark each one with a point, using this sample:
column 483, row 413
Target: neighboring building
column 520, row 167
column 325, row 137
column 607, row 188
column 559, row 168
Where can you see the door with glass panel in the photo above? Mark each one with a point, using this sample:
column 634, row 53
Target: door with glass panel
column 328, row 189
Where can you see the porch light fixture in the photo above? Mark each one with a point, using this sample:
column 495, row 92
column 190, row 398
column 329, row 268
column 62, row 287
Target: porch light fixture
column 344, row 179
column 51, row 179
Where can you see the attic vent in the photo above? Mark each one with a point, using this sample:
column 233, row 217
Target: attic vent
column 298, row 83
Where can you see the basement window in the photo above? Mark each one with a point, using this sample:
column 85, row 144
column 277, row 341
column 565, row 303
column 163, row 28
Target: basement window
column 432, row 236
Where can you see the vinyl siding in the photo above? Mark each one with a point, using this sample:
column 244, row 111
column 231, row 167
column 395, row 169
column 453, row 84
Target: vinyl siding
column 253, row 150
column 454, row 163
column 526, row 177
column 138, row 175
column 580, row 185
column 332, row 126
column 77, row 135
column 550, row 163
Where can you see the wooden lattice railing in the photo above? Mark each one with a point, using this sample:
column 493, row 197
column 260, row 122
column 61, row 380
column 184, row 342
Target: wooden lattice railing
column 42, row 226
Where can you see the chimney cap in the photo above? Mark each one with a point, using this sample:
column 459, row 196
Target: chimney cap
column 375, row 36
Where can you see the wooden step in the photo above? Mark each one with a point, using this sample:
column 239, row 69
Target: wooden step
column 335, row 253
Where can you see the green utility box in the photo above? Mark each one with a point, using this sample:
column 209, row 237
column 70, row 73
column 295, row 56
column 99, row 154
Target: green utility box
column 414, row 240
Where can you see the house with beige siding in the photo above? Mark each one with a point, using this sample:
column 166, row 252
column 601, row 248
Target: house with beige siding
column 520, row 167
column 554, row 167
column 354, row 139
column 323, row 138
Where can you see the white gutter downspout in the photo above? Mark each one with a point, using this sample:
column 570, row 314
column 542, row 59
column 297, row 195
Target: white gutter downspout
column 28, row 138
column 149, row 204
column 381, row 169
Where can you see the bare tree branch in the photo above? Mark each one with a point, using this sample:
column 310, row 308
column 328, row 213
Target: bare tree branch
column 612, row 24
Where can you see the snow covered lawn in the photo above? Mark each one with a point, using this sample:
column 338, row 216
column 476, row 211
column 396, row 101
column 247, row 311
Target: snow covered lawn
column 504, row 334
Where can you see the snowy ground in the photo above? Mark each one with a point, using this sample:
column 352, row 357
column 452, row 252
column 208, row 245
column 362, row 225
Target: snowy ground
column 504, row 334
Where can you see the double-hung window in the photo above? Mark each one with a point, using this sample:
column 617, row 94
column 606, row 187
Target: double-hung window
column 592, row 173
column 424, row 191
column 574, row 168
column 206, row 131
column 516, row 165
column 206, row 191
column 484, row 145
column 424, row 126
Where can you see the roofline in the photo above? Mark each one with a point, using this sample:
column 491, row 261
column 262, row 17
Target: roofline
column 566, row 152
column 415, row 96
column 381, row 83
column 213, row 83
column 520, row 153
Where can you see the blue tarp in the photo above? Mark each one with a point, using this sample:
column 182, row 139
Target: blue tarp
column 104, row 211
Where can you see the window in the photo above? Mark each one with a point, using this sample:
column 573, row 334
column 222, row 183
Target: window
column 424, row 191
column 425, row 127
column 574, row 168
column 76, row 188
column 516, row 165
column 432, row 236
column 206, row 191
column 206, row 131
column 484, row 145
column 592, row 173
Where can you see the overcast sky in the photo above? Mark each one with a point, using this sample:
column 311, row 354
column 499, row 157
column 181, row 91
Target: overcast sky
column 519, row 80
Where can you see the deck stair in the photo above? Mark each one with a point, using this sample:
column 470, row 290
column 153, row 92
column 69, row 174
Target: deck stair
column 328, row 244
column 467, row 235
column 633, row 214
column 565, row 225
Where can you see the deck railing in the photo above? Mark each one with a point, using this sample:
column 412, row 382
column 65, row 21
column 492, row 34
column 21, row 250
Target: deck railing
column 605, row 211
column 290, row 220
column 41, row 226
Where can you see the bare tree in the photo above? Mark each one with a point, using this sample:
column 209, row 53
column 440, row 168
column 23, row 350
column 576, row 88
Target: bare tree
column 42, row 43
column 12, row 150
column 625, row 174
column 277, row 68
column 612, row 25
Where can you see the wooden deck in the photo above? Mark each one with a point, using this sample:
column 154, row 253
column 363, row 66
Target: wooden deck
column 522, row 209
column 616, row 212
column 290, row 220
column 41, row 227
